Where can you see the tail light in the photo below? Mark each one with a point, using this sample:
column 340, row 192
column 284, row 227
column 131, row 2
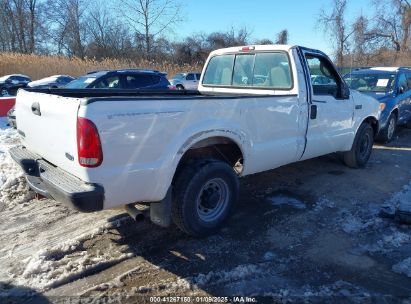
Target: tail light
column 89, row 149
column 172, row 87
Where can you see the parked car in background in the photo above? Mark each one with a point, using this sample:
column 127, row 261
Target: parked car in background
column 55, row 81
column 186, row 81
column 9, row 84
column 121, row 79
column 321, row 79
column 391, row 86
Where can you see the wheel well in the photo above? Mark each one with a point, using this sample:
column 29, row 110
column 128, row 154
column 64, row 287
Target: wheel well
column 222, row 148
column 374, row 123
column 395, row 111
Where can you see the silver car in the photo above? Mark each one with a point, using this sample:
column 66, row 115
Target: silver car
column 186, row 81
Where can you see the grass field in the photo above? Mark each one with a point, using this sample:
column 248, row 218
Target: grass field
column 38, row 67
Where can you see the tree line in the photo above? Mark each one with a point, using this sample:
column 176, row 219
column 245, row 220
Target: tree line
column 128, row 29
column 135, row 29
column 382, row 37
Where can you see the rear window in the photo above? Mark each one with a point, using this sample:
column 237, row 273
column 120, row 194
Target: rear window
column 141, row 81
column 219, row 71
column 269, row 70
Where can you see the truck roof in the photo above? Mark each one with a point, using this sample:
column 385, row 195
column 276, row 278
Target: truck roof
column 267, row 47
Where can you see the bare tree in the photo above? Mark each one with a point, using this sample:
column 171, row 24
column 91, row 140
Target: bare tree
column 151, row 18
column 107, row 36
column 264, row 41
column 19, row 24
column 67, row 21
column 282, row 37
column 336, row 28
column 393, row 23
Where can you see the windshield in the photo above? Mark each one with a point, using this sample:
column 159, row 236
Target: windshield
column 80, row 83
column 371, row 82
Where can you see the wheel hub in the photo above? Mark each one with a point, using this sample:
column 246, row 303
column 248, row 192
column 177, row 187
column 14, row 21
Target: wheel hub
column 212, row 199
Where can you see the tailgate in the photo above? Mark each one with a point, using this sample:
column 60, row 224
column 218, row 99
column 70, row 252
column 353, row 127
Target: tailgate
column 48, row 124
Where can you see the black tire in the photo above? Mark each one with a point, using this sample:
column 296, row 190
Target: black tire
column 361, row 149
column 387, row 134
column 203, row 194
column 4, row 92
column 179, row 87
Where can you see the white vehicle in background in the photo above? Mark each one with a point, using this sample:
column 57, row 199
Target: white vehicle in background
column 55, row 81
column 182, row 153
column 186, row 81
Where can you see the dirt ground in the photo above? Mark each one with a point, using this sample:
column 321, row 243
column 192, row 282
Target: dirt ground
column 309, row 231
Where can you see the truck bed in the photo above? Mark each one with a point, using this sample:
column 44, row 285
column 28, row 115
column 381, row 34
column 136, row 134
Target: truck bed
column 92, row 95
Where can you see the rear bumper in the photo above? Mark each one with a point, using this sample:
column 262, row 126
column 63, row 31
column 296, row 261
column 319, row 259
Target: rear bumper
column 52, row 182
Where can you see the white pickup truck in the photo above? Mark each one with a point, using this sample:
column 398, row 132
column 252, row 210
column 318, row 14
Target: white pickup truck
column 182, row 153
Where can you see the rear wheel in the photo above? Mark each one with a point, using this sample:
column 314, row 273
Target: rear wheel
column 361, row 149
column 204, row 193
column 179, row 87
column 387, row 134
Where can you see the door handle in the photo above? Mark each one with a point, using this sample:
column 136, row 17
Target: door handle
column 313, row 112
column 35, row 108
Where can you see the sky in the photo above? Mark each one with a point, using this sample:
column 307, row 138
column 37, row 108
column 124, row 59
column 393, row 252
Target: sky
column 264, row 18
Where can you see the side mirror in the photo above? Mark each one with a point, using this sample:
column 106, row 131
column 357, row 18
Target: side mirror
column 345, row 91
column 401, row 90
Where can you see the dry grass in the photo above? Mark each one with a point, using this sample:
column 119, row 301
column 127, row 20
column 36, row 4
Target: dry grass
column 380, row 58
column 38, row 67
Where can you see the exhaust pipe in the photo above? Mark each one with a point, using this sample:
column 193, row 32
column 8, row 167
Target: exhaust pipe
column 136, row 214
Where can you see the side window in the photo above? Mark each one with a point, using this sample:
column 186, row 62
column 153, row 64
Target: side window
column 112, row 82
column 139, row 81
column 64, row 79
column 190, row 77
column 408, row 81
column 219, row 70
column 19, row 78
column 402, row 83
column 324, row 78
column 272, row 70
column 198, row 75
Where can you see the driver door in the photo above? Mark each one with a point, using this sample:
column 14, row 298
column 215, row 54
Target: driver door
column 331, row 128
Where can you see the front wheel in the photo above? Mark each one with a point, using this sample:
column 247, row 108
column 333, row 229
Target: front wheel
column 387, row 134
column 361, row 149
column 204, row 193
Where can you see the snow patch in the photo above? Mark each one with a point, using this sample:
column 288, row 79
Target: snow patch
column 284, row 200
column 403, row 267
column 52, row 267
column 241, row 272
